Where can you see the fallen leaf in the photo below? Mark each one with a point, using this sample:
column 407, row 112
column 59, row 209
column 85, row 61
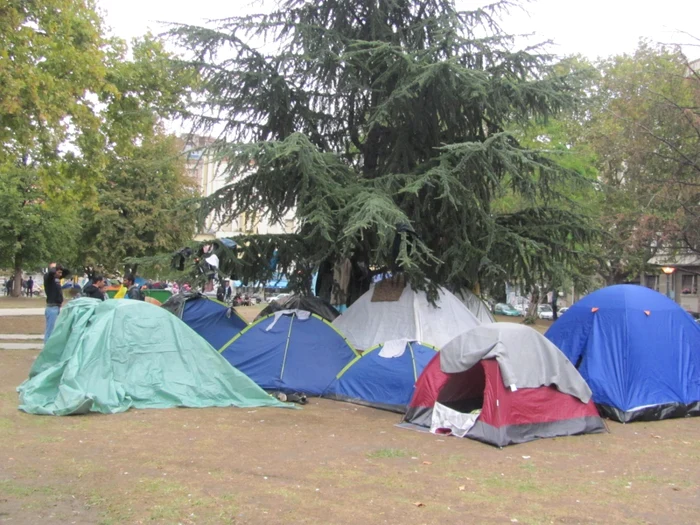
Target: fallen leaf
column 419, row 504
column 675, row 488
column 427, row 463
column 655, row 436
column 462, row 487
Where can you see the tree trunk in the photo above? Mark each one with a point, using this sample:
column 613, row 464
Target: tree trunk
column 555, row 309
column 17, row 285
column 531, row 317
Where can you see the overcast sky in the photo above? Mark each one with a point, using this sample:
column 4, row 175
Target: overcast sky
column 591, row 27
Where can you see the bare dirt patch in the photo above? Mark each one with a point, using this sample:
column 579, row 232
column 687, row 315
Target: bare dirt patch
column 28, row 325
column 22, row 302
column 541, row 325
column 249, row 313
column 330, row 462
column 35, row 324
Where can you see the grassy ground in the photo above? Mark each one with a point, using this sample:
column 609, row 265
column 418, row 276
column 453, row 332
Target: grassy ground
column 34, row 324
column 541, row 325
column 247, row 312
column 22, row 302
column 330, row 462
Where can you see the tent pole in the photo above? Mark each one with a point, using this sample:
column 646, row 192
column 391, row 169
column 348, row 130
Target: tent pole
column 286, row 346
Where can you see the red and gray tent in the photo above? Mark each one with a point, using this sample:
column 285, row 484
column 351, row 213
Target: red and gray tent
column 502, row 384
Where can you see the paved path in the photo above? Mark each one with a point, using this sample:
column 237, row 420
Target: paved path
column 19, row 312
column 21, row 346
column 21, row 337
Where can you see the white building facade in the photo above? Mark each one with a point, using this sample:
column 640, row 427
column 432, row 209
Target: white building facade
column 209, row 176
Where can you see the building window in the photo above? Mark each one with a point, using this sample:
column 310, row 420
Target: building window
column 689, row 284
column 652, row 281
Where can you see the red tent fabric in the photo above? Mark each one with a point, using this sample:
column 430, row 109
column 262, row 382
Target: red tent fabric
column 507, row 417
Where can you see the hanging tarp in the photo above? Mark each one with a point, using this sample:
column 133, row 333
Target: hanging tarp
column 312, row 304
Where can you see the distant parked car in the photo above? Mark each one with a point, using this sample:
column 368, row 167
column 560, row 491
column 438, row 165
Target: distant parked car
column 562, row 310
column 544, row 311
column 505, row 309
column 280, row 297
column 522, row 308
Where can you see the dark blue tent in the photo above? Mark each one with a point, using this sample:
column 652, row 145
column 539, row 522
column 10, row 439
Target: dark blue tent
column 214, row 321
column 287, row 353
column 637, row 349
column 382, row 382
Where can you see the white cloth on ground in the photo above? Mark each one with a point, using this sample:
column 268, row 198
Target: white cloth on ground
column 458, row 423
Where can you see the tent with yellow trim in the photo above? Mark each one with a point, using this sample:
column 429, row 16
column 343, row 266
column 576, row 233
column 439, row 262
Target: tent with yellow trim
column 215, row 321
column 383, row 377
column 290, row 351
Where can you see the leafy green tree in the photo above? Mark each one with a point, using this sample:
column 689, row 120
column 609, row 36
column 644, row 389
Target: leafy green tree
column 388, row 120
column 643, row 130
column 137, row 212
column 31, row 225
column 560, row 140
column 50, row 63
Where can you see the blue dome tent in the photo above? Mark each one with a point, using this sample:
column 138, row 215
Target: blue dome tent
column 637, row 349
column 216, row 322
column 292, row 352
column 382, row 381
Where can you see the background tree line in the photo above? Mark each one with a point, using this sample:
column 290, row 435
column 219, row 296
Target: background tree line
column 88, row 175
column 406, row 135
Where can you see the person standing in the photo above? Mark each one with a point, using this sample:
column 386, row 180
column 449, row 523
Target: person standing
column 54, row 297
column 133, row 290
column 30, row 287
column 95, row 289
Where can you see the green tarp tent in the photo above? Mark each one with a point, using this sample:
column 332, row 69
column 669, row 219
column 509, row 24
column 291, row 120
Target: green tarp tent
column 110, row 356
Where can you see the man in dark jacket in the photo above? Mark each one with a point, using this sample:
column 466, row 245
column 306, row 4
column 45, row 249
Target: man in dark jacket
column 54, row 297
column 133, row 289
column 95, row 289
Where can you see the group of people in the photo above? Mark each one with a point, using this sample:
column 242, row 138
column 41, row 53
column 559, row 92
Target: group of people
column 27, row 286
column 224, row 294
column 224, row 291
column 95, row 288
